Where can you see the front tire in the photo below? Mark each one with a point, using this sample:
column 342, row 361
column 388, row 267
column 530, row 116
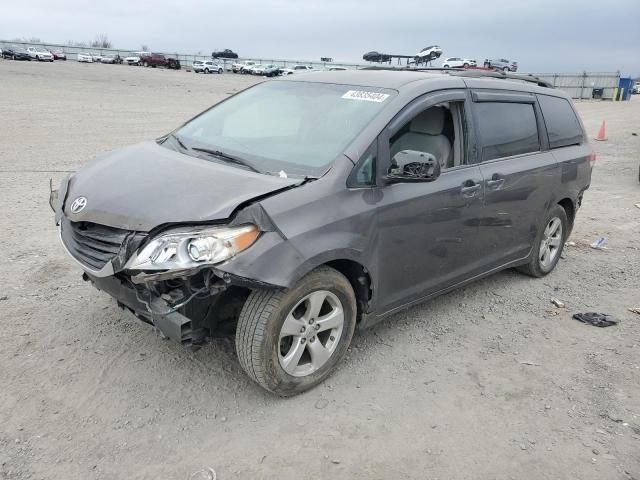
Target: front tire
column 549, row 244
column 288, row 341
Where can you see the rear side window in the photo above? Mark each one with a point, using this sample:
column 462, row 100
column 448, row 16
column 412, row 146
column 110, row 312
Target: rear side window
column 506, row 129
column 562, row 124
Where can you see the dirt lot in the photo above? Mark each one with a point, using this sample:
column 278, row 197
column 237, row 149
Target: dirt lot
column 491, row 381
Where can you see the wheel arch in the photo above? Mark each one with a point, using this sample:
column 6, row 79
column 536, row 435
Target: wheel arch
column 359, row 278
column 570, row 209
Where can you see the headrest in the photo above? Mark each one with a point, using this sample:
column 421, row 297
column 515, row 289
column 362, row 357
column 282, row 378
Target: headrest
column 431, row 121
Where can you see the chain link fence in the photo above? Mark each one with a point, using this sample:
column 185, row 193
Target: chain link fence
column 579, row 85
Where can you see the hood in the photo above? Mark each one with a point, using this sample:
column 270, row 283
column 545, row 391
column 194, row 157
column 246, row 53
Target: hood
column 146, row 185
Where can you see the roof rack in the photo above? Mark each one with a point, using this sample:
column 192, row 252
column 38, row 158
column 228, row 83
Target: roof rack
column 469, row 72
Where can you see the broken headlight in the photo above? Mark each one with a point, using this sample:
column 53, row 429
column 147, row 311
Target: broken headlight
column 180, row 250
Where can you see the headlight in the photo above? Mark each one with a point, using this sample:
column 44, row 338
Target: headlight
column 182, row 250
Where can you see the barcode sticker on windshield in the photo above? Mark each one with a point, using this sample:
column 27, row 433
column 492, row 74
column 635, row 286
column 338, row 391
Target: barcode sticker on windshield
column 366, row 96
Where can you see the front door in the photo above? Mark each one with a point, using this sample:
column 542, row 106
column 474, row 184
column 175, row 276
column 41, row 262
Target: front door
column 427, row 231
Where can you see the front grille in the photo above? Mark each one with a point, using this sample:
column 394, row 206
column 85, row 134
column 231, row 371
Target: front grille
column 92, row 244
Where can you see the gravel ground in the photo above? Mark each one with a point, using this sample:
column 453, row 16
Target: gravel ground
column 490, row 381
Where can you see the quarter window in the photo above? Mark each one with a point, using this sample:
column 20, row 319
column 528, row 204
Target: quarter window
column 562, row 124
column 506, row 129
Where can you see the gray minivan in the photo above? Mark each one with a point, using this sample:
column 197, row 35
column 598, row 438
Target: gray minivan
column 300, row 208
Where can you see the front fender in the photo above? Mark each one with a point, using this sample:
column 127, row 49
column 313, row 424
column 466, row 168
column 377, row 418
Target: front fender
column 277, row 262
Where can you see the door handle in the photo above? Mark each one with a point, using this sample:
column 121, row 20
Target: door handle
column 470, row 189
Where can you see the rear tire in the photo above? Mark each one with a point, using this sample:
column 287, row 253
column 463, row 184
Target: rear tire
column 267, row 348
column 549, row 239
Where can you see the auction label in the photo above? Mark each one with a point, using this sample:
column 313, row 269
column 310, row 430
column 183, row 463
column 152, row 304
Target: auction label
column 366, row 96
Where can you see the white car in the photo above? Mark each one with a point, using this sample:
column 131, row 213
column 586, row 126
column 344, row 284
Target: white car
column 206, row 66
column 241, row 67
column 85, row 57
column 455, row 62
column 296, row 69
column 40, row 54
column 428, row 54
column 134, row 58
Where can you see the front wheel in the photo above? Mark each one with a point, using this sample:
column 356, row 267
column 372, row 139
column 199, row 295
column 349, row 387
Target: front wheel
column 505, row 69
column 206, row 70
column 288, row 341
column 549, row 244
column 220, row 71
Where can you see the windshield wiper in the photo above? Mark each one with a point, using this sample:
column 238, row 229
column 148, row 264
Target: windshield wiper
column 227, row 157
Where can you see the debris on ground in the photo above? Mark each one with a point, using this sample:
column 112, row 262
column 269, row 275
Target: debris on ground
column 637, row 205
column 204, row 474
column 635, row 310
column 570, row 244
column 599, row 244
column 596, row 319
column 322, row 403
column 557, row 303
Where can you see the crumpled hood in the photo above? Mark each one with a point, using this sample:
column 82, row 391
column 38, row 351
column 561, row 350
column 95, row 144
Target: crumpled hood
column 146, row 185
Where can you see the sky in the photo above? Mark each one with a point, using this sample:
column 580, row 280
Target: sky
column 543, row 36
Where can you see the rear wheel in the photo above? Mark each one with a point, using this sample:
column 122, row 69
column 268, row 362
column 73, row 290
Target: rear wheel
column 145, row 64
column 288, row 341
column 549, row 244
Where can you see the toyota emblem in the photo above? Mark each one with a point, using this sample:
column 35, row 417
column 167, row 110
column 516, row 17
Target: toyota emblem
column 78, row 204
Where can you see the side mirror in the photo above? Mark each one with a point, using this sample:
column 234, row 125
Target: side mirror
column 413, row 166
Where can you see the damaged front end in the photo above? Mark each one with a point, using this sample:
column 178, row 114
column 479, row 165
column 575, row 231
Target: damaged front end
column 167, row 277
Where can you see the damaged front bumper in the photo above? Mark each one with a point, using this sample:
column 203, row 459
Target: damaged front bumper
column 153, row 310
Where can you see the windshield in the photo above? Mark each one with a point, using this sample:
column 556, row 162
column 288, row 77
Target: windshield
column 296, row 127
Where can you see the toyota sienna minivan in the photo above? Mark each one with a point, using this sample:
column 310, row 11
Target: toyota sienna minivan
column 302, row 208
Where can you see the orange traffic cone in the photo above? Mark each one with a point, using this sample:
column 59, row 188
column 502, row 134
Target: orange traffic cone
column 601, row 134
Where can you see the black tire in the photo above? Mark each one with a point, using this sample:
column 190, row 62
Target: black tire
column 219, row 71
column 465, row 65
column 505, row 69
column 206, row 70
column 445, row 66
column 535, row 268
column 260, row 322
column 145, row 64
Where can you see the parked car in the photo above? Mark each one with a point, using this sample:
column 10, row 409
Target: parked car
column 134, row 58
column 239, row 67
column 207, row 66
column 377, row 199
column 295, row 69
column 457, row 62
column 58, row 54
column 636, row 89
column 226, row 53
column 111, row 58
column 96, row 57
column 85, row 57
column 159, row 60
column 40, row 54
column 269, row 70
column 15, row 53
column 336, row 69
column 501, row 64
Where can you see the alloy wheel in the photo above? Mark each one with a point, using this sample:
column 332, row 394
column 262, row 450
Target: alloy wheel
column 550, row 243
column 310, row 333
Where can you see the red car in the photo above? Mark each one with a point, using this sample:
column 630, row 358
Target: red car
column 159, row 60
column 58, row 54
